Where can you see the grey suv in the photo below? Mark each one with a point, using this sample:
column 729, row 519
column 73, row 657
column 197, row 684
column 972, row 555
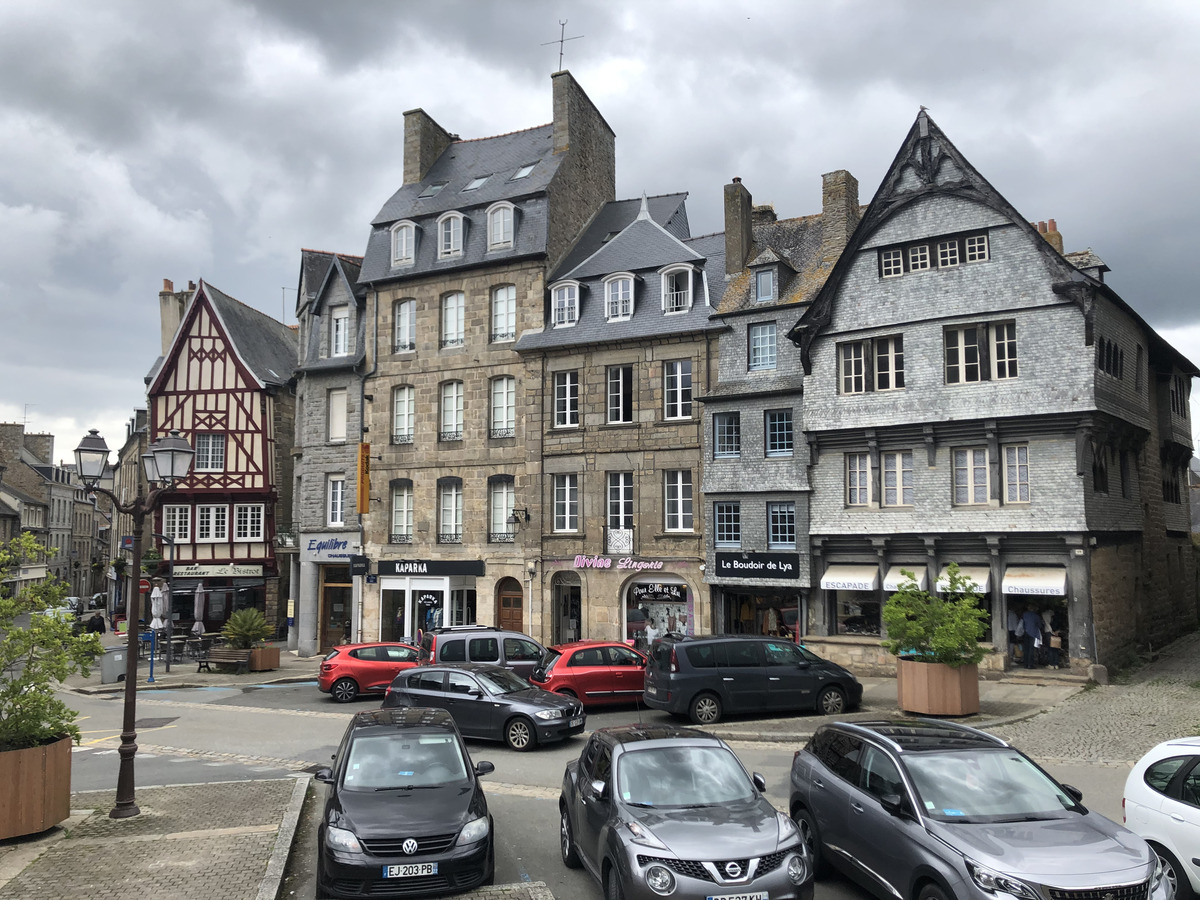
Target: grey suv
column 701, row 677
column 481, row 644
column 930, row 810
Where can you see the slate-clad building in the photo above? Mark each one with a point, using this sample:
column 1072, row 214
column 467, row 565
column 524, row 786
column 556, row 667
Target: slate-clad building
column 973, row 395
column 625, row 348
column 455, row 273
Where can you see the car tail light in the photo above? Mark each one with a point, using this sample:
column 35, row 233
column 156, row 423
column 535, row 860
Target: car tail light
column 674, row 661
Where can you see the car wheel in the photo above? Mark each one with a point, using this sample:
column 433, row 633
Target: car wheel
column 519, row 734
column 612, row 885
column 1174, row 873
column 705, row 709
column 933, row 891
column 566, row 840
column 344, row 690
column 832, row 701
column 812, row 839
column 569, row 693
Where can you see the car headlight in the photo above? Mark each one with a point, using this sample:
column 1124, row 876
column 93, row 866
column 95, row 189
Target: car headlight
column 995, row 883
column 341, row 839
column 549, row 714
column 475, row 830
column 644, row 836
column 660, row 880
column 787, row 829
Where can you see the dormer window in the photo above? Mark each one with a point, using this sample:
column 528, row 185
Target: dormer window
column 764, row 285
column 565, row 304
column 677, row 290
column 500, row 226
column 339, row 332
column 524, row 171
column 618, row 297
column 431, row 189
column 476, row 183
column 450, row 235
column 404, row 243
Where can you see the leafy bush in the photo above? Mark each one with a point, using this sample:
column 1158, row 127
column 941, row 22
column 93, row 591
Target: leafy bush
column 928, row 627
column 246, row 628
column 35, row 658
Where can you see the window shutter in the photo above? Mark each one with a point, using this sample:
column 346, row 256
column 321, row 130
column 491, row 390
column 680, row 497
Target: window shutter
column 985, row 352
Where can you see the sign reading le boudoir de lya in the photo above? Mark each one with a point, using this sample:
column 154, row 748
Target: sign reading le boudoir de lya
column 758, row 565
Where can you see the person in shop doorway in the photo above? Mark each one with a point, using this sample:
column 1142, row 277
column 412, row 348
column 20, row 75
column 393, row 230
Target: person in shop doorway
column 1032, row 638
column 652, row 633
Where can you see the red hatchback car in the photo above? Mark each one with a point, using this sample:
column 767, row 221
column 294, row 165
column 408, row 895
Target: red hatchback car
column 593, row 671
column 353, row 669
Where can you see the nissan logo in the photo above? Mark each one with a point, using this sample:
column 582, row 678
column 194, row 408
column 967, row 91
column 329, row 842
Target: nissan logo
column 733, row 870
column 409, row 846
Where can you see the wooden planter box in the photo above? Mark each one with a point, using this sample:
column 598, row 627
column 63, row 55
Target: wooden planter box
column 934, row 689
column 37, row 788
column 263, row 659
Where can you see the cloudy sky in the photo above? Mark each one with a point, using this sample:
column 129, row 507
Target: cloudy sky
column 215, row 138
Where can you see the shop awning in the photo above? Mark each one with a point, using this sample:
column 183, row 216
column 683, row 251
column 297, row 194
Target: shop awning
column 981, row 575
column 894, row 578
column 1046, row 581
column 851, row 578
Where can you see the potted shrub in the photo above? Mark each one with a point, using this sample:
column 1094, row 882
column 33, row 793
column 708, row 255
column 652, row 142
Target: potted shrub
column 936, row 641
column 36, row 728
column 248, row 630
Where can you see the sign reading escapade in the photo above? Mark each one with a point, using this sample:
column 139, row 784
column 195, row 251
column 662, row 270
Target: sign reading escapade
column 759, row 565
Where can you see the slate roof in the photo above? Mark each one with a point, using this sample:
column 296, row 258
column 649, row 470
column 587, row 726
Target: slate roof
column 315, row 266
column 500, row 157
column 642, row 245
column 329, row 267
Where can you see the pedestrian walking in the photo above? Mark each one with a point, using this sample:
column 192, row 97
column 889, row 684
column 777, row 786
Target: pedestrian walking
column 1032, row 639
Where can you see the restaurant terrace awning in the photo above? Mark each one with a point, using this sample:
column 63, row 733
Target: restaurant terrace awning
column 981, row 575
column 851, row 578
column 894, row 578
column 1044, row 581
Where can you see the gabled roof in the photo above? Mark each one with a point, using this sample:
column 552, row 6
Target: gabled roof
column 794, row 242
column 927, row 164
column 642, row 244
column 666, row 210
column 336, row 267
column 315, row 269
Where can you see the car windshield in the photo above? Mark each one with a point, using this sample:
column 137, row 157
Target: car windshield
column 501, row 681
column 681, row 777
column 403, row 761
column 990, row 786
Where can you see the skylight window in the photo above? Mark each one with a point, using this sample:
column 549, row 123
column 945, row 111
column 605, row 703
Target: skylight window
column 476, row 183
column 524, row 171
column 431, row 189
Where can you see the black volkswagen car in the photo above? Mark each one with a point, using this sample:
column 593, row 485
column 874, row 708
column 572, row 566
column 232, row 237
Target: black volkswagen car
column 490, row 702
column 405, row 815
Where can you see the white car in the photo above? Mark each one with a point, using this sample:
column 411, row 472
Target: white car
column 1162, row 804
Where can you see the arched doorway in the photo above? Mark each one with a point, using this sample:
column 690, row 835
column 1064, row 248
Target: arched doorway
column 510, row 605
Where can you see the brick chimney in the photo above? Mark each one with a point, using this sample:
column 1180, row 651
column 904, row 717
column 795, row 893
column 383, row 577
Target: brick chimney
column 424, row 142
column 1049, row 230
column 171, row 304
column 839, row 212
column 739, row 221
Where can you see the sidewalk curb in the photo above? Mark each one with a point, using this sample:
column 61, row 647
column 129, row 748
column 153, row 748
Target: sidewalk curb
column 277, row 864
column 119, row 687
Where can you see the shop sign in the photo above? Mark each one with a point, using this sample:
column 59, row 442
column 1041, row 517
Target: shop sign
column 643, row 591
column 430, row 567
column 229, row 570
column 626, row 562
column 359, row 565
column 324, row 548
column 758, row 565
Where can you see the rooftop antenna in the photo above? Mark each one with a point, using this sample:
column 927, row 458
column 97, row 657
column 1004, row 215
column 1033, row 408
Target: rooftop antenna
column 25, row 422
column 562, row 39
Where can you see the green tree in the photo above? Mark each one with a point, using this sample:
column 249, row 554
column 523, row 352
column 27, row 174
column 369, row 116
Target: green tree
column 940, row 628
column 34, row 659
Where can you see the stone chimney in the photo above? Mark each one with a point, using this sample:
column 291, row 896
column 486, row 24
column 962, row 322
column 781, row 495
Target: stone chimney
column 839, row 212
column 1049, row 230
column 171, row 304
column 424, row 141
column 578, row 125
column 40, row 445
column 739, row 230
column 764, row 214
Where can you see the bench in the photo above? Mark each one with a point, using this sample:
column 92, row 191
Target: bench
column 225, row 655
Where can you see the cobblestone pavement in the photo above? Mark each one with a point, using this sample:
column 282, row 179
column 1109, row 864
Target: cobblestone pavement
column 1116, row 724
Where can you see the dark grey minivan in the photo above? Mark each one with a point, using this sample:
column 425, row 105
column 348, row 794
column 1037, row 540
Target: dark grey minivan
column 703, row 676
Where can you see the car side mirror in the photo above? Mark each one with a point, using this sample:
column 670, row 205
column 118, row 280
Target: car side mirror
column 600, row 790
column 324, row 774
column 1076, row 793
column 759, row 781
column 804, row 664
column 475, row 692
column 893, row 804
column 483, row 767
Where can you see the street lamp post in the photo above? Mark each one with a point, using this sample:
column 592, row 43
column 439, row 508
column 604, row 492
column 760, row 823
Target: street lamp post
column 168, row 461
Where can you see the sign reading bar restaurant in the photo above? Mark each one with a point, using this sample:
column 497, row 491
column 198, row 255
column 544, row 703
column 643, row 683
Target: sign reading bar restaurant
column 758, row 565
column 430, row 567
column 228, row 570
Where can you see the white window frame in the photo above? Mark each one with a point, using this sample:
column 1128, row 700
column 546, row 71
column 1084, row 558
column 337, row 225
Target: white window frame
column 450, row 422
column 404, row 243
column 674, row 299
column 210, row 452
column 852, row 368
column 248, row 521
column 504, row 313
column 948, row 253
column 501, row 219
column 889, row 363
column 504, row 406
column 677, row 500
column 451, row 228
column 402, row 511
column 677, row 389
column 564, row 304
column 566, row 399
column 771, row 432
column 1016, row 474
column 764, row 285
column 618, row 297
column 976, row 247
column 404, row 412
column 566, row 502
column 405, row 325
column 896, row 475
column 336, row 415
column 727, row 523
column 781, row 519
column 891, row 262
column 620, row 510
column 727, row 435
column 177, row 523
column 453, row 319
column 450, row 510
column 762, row 340
column 212, row 523
column 957, row 343
column 971, row 474
column 339, row 331
column 335, row 499
column 858, row 479
column 919, row 259
column 1003, row 340
column 502, row 499
column 621, row 394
